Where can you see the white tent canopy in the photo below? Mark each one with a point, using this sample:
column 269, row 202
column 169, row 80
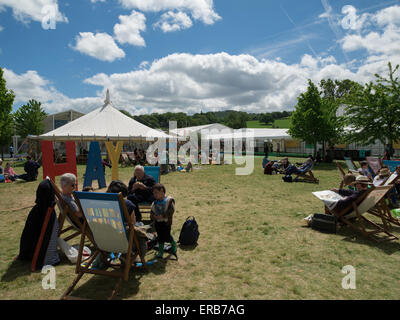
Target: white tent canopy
column 103, row 124
column 256, row 133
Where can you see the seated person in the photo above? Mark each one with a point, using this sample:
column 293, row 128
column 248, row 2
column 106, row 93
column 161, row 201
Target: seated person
column 382, row 176
column 292, row 169
column 68, row 184
column 364, row 170
column 281, row 165
column 9, row 172
column 33, row 229
column 140, row 189
column 1, row 167
column 117, row 186
column 31, row 168
column 264, row 162
column 361, row 183
column 348, row 181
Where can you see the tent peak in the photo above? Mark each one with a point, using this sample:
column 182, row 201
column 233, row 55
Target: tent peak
column 108, row 100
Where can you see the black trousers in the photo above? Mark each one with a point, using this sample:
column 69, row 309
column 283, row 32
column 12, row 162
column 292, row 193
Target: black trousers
column 163, row 231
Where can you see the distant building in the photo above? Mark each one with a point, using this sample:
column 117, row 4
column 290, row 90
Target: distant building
column 57, row 120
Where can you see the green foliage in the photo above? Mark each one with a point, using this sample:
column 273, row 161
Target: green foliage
column 373, row 111
column 237, row 120
column 29, row 119
column 310, row 121
column 6, row 102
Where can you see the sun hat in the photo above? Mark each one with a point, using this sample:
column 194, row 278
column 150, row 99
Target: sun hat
column 362, row 180
column 384, row 172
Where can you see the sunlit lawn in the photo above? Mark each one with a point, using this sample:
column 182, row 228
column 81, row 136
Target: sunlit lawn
column 253, row 244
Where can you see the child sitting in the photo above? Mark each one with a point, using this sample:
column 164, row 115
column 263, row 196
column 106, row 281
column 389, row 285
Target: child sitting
column 161, row 213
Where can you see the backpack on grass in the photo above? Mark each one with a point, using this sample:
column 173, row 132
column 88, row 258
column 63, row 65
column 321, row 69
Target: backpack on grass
column 189, row 232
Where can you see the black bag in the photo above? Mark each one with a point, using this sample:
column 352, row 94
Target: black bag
column 268, row 168
column 189, row 232
column 324, row 223
column 287, row 178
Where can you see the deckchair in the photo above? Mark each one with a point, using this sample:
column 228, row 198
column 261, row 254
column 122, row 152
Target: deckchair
column 374, row 164
column 155, row 172
column 358, row 208
column 392, row 164
column 350, row 165
column 341, row 174
column 66, row 214
column 382, row 208
column 306, row 176
column 107, row 218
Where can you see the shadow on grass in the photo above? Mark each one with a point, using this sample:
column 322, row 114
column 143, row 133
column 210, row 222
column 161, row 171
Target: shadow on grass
column 100, row 287
column 15, row 270
column 388, row 247
column 188, row 248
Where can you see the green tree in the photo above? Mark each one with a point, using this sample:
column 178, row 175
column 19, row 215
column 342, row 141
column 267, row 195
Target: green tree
column 6, row 121
column 373, row 111
column 309, row 121
column 29, row 119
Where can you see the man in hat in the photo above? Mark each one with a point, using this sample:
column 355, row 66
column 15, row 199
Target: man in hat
column 350, row 196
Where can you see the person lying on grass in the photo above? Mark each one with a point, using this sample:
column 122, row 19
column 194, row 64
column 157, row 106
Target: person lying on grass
column 161, row 213
column 292, row 169
column 361, row 183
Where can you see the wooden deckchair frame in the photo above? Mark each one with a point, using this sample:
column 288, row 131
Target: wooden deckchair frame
column 306, row 176
column 120, row 271
column 66, row 213
column 341, row 174
column 382, row 209
column 358, row 215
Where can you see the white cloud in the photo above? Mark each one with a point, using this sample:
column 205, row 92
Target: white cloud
column 30, row 85
column 27, row 10
column 389, row 15
column 351, row 20
column 172, row 21
column 100, row 46
column 199, row 9
column 129, row 28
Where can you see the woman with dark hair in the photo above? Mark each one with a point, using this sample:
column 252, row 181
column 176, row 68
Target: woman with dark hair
column 41, row 224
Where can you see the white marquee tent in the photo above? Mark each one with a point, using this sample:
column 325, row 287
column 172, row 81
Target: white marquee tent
column 103, row 124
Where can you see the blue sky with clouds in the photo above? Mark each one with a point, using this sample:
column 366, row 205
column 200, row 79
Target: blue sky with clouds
column 190, row 55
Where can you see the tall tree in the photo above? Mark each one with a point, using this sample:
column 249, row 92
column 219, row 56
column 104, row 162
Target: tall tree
column 309, row 121
column 6, row 121
column 29, row 119
column 373, row 111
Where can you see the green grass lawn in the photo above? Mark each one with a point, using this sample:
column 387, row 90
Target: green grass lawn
column 252, row 245
column 280, row 123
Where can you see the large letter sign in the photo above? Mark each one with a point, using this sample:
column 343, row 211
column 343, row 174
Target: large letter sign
column 94, row 167
column 51, row 169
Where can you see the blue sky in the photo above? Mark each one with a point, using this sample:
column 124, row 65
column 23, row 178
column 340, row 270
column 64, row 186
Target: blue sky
column 190, row 55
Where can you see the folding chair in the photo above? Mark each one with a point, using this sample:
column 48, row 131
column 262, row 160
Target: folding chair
column 155, row 172
column 66, row 213
column 341, row 174
column 382, row 209
column 107, row 218
column 350, row 165
column 358, row 208
column 374, row 164
column 306, row 176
